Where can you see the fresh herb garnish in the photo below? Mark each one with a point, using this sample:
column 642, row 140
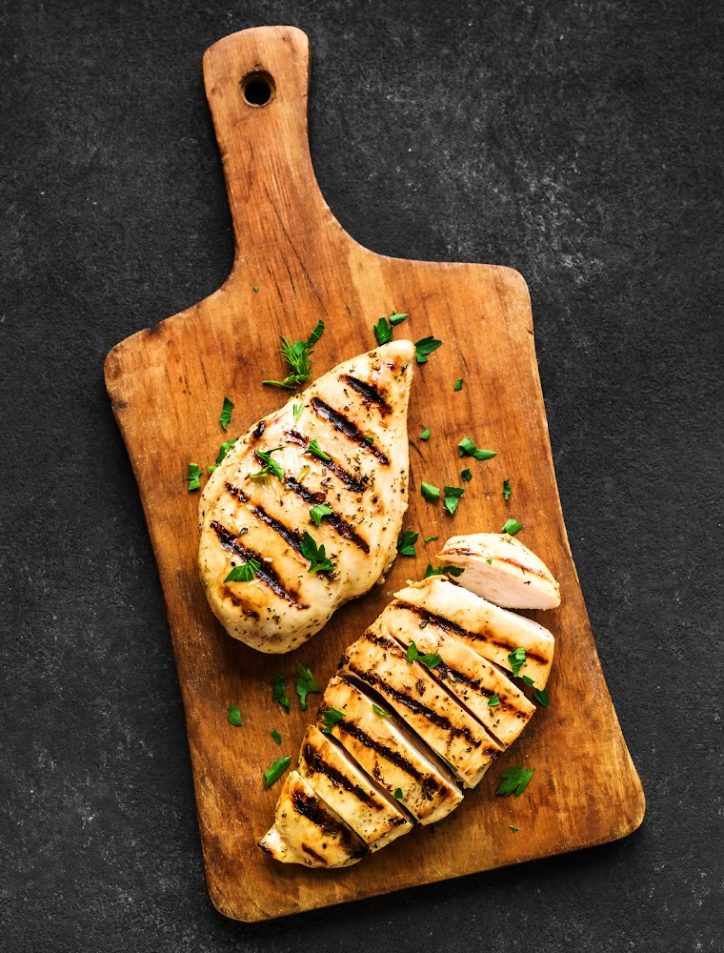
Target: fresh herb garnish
column 315, row 450
column 424, row 347
column 516, row 660
column 397, row 318
column 451, row 499
column 406, row 542
column 306, row 685
column 224, row 449
column 514, row 780
column 514, row 828
column 383, row 331
column 318, row 512
column 493, row 701
column 429, row 659
column 276, row 770
column 245, row 572
column 270, row 465
column 318, row 561
column 255, row 289
column 234, row 716
column 458, row 385
column 225, row 418
column 425, row 435
column 276, row 735
column 298, row 355
column 541, row 696
column 430, row 539
column 528, row 680
column 279, row 692
column 330, row 717
column 466, row 448
column 443, row 570
column 506, row 490
column 398, row 795
column 297, row 411
column 193, row 476
column 430, row 492
column 512, row 527
column 466, row 475
column 380, row 711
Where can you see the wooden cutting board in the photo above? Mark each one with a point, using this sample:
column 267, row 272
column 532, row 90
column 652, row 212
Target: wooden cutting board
column 295, row 264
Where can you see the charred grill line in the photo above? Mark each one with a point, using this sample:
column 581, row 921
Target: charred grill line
column 310, row 808
column 290, row 536
column 368, row 391
column 317, row 763
column 345, row 529
column 239, row 603
column 313, row 854
column 349, row 480
column 266, row 573
column 346, row 427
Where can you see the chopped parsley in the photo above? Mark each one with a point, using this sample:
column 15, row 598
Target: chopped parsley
column 424, row 348
column 430, row 492
column 398, row 795
column 270, row 466
column 528, row 680
column 425, row 435
column 430, row 539
column 466, row 448
column 512, row 527
column 297, row 411
column 306, row 685
column 516, row 660
column 383, row 331
column 245, row 572
column 193, row 476
column 318, row 561
column 458, row 385
column 541, row 696
column 406, row 542
column 330, row 717
column 315, row 450
column 443, row 570
column 298, row 355
column 380, row 711
column 452, row 496
column 225, row 418
column 318, row 512
column 255, row 289
column 429, row 659
column 493, row 701
column 276, row 735
column 466, row 475
column 224, row 449
column 397, row 318
column 276, row 770
column 279, row 693
column 234, row 716
column 514, row 781
column 514, row 828
column 506, row 490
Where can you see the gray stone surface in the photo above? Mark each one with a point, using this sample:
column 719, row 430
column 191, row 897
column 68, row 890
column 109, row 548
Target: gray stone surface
column 577, row 141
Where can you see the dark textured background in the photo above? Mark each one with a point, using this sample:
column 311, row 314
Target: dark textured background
column 575, row 141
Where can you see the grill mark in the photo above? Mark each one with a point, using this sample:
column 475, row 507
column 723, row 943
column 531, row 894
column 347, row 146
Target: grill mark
column 369, row 392
column 346, row 427
column 357, row 485
column 267, row 574
column 340, row 525
column 290, row 536
column 259, row 429
column 317, row 763
column 445, row 670
column 239, row 603
column 310, row 808
column 447, row 625
column 312, row 853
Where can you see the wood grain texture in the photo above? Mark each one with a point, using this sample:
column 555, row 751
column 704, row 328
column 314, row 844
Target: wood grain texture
column 167, row 384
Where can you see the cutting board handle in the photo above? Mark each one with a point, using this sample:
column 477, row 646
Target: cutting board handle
column 257, row 83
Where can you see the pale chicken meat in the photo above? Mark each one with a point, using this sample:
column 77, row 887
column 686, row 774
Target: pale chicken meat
column 501, row 569
column 335, row 455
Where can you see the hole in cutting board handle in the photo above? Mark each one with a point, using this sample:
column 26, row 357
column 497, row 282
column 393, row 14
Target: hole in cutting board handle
column 257, row 89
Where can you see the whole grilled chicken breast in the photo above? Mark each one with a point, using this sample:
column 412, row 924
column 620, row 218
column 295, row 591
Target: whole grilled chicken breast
column 256, row 508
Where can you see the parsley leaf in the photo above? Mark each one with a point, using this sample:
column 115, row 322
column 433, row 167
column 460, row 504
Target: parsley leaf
column 466, row 475
column 512, row 527
column 443, row 570
column 514, row 781
column 429, row 659
column 306, row 685
column 425, row 435
column 318, row 561
column 397, row 318
column 225, row 418
column 330, row 717
column 406, row 542
column 516, row 660
column 276, row 770
column 458, row 385
column 318, row 512
column 297, row 411
column 506, row 490
column 298, row 355
column 398, row 795
column 270, row 466
column 466, row 448
column 528, row 680
column 514, row 828
column 380, row 711
column 430, row 539
column 193, row 476
column 234, row 716
column 424, row 347
column 245, row 572
column 276, row 736
column 255, row 289
column 224, row 449
column 315, row 450
column 541, row 696
column 383, row 331
column 452, row 498
column 493, row 701
column 279, row 693
column 430, row 492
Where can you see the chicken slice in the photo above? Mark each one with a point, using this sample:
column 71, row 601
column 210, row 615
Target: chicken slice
column 501, row 569
column 471, row 678
column 371, row 813
column 487, row 629
column 380, row 663
column 357, row 414
column 389, row 753
column 307, row 831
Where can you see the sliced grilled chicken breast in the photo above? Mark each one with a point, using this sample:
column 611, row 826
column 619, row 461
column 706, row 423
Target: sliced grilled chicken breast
column 307, row 831
column 357, row 414
column 487, row 629
column 379, row 662
column 389, row 753
column 489, row 694
column 371, row 813
column 501, row 569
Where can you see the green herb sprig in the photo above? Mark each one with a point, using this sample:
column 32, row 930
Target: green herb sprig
column 298, row 355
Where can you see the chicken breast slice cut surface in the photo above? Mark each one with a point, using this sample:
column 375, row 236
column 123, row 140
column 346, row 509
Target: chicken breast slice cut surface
column 453, row 734
column 501, row 569
column 357, row 414
column 389, row 753
column 370, row 812
column 487, row 629
column 471, row 678
column 307, row 831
